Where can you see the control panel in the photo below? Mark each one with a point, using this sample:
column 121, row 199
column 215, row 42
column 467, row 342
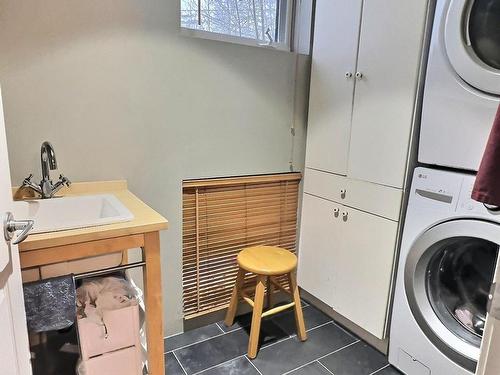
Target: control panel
column 447, row 191
column 437, row 190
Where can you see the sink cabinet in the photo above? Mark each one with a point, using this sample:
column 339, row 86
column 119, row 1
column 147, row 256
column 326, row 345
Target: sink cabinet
column 56, row 249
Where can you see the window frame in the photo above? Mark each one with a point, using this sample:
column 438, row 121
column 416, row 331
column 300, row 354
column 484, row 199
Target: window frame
column 285, row 28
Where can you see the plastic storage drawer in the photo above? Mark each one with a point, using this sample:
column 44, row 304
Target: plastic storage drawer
column 122, row 362
column 122, row 331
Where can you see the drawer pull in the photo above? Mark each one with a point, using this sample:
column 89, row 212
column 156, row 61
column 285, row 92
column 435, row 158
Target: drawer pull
column 345, row 215
column 343, row 193
column 336, row 212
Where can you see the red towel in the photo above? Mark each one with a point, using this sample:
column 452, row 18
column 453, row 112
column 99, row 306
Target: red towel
column 487, row 186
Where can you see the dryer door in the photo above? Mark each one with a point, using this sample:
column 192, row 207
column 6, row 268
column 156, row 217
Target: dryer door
column 448, row 274
column 472, row 40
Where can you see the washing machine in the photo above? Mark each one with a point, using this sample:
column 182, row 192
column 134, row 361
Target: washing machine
column 462, row 85
column 447, row 262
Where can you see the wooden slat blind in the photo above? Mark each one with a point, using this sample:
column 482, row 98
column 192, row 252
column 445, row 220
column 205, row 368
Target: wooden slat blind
column 220, row 217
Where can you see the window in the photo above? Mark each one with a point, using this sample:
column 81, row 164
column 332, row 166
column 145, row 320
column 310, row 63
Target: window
column 257, row 22
column 221, row 217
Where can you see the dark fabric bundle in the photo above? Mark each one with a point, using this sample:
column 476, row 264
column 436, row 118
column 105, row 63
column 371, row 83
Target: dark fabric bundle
column 50, row 303
column 487, row 186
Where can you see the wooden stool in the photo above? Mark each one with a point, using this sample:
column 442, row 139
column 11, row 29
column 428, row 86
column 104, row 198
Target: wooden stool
column 266, row 262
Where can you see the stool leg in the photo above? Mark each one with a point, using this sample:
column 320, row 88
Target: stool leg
column 299, row 317
column 258, row 304
column 235, row 297
column 269, row 295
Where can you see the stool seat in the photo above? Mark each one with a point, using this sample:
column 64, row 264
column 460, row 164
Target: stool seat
column 267, row 260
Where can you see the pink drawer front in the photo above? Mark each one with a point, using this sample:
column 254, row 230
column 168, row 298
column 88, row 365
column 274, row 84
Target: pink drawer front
column 123, row 331
column 122, row 362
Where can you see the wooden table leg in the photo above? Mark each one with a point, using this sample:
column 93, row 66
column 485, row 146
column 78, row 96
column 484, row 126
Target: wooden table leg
column 154, row 306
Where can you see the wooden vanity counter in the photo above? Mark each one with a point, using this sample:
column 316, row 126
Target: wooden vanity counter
column 141, row 232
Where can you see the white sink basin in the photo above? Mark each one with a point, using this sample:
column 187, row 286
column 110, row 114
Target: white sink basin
column 56, row 214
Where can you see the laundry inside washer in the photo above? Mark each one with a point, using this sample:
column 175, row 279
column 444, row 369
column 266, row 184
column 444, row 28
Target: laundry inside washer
column 459, row 277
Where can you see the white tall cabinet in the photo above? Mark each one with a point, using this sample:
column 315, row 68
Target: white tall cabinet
column 365, row 65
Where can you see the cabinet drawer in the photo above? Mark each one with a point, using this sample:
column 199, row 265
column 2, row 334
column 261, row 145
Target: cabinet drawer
column 82, row 265
column 122, row 327
column 324, row 185
column 122, row 362
column 380, row 200
column 377, row 199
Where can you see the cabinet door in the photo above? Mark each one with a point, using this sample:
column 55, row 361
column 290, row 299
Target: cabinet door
column 330, row 102
column 364, row 270
column 318, row 246
column 389, row 58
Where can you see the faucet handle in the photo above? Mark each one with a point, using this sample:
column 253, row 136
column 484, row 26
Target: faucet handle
column 27, row 183
column 27, row 180
column 65, row 180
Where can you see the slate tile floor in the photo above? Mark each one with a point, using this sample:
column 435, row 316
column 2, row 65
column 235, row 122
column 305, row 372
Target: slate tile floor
column 330, row 349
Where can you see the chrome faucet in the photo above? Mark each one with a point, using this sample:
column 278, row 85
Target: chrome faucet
column 46, row 189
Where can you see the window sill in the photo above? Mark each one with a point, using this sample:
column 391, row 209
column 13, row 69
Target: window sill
column 232, row 39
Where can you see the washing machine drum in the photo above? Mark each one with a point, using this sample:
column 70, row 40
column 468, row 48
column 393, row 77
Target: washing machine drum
column 472, row 40
column 448, row 276
column 458, row 281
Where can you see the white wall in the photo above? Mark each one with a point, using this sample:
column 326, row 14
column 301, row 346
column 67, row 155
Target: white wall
column 121, row 95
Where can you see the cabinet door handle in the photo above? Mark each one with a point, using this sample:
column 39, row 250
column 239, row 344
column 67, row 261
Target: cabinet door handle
column 359, row 75
column 345, row 215
column 343, row 193
column 10, row 226
column 336, row 212
column 348, row 75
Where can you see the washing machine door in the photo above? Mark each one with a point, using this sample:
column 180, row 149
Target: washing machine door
column 448, row 275
column 472, row 40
